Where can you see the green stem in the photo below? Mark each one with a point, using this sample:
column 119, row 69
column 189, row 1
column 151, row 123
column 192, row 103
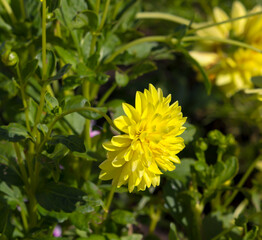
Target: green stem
column 165, row 16
column 223, row 22
column 104, row 15
column 21, row 164
column 44, row 65
column 97, row 6
column 93, row 44
column 196, row 222
column 22, row 8
column 109, row 201
column 40, row 109
column 24, row 219
column 180, row 20
column 241, row 182
column 94, row 35
column 164, row 39
column 86, row 94
column 22, row 89
column 106, row 95
column 44, row 68
column 155, row 217
column 9, row 11
column 223, row 40
column 72, row 111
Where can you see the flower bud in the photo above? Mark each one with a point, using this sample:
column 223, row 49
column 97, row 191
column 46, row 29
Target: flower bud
column 9, row 58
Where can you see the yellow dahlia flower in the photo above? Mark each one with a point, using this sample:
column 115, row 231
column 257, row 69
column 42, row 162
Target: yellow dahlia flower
column 150, row 141
column 232, row 69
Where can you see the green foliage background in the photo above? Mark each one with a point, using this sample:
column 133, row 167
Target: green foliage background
column 48, row 161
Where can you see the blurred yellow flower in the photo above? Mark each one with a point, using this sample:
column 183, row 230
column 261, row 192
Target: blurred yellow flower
column 150, row 141
column 232, row 68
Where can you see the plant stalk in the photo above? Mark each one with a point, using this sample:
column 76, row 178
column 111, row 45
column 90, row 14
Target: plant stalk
column 241, row 182
column 109, row 201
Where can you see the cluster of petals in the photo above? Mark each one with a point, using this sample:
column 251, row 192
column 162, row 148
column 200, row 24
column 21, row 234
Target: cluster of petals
column 150, row 142
column 232, row 70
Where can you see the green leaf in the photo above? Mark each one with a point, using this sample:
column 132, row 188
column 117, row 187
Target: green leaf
column 73, row 102
column 134, row 236
column 121, row 79
column 172, row 232
column 72, row 82
column 51, row 63
column 9, row 176
column 29, row 69
column 51, row 104
column 72, row 142
column 13, row 196
column 67, row 55
column 93, row 115
column 111, row 236
column 123, row 217
column 141, row 69
column 188, row 134
column 14, row 132
column 85, row 72
column 69, row 10
column 257, row 81
column 230, row 170
column 182, row 171
column 59, row 197
column 96, row 237
column 86, row 19
column 61, row 72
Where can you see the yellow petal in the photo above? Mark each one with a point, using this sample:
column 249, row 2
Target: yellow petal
column 131, row 112
column 238, row 10
column 221, row 16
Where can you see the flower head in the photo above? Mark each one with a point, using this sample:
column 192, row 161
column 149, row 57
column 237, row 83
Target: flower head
column 232, row 68
column 150, row 141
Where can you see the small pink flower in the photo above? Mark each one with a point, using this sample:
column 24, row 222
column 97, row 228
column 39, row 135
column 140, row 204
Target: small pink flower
column 92, row 132
column 57, row 231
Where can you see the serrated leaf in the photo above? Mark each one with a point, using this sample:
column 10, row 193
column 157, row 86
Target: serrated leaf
column 52, row 104
column 14, row 132
column 67, row 55
column 59, row 197
column 29, row 69
column 73, row 102
column 121, row 79
column 86, row 19
column 61, row 72
column 72, row 142
column 123, row 217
